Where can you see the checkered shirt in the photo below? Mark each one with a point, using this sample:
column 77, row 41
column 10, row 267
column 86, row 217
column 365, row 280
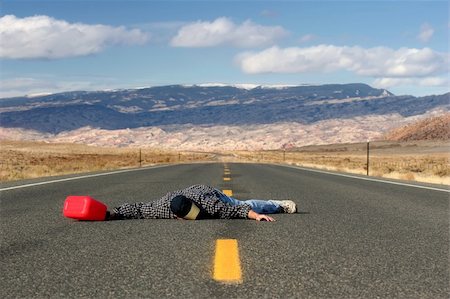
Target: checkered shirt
column 204, row 196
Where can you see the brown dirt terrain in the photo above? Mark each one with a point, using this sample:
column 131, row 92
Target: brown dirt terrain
column 434, row 128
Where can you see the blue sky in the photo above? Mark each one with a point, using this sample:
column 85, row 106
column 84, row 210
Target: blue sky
column 53, row 46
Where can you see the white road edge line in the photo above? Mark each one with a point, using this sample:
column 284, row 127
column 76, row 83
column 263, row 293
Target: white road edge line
column 80, row 177
column 366, row 179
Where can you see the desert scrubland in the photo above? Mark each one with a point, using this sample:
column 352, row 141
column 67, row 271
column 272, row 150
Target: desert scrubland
column 425, row 161
column 24, row 160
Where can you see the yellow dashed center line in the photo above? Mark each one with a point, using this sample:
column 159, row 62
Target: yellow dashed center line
column 227, row 266
column 228, row 192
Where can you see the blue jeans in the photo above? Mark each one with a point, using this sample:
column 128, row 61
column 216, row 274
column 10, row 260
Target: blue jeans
column 259, row 206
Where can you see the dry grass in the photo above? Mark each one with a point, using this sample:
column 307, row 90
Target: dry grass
column 24, row 160
column 415, row 161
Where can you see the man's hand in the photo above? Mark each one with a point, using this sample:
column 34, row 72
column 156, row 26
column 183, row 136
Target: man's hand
column 259, row 217
column 264, row 218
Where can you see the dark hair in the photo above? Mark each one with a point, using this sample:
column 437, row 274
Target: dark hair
column 180, row 205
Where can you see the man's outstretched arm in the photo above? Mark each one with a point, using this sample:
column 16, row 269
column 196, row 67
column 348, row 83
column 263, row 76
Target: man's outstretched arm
column 258, row 217
column 137, row 210
column 221, row 210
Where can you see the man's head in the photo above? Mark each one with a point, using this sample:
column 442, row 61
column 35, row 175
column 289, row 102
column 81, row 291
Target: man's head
column 185, row 208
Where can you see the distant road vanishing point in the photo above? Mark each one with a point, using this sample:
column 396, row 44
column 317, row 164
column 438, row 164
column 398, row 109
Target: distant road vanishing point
column 352, row 238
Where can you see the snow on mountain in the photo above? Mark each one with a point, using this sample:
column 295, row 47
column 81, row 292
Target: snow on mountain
column 40, row 94
column 247, row 86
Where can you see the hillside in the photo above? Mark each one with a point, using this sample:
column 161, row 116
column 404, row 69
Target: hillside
column 214, row 117
column 432, row 128
column 200, row 105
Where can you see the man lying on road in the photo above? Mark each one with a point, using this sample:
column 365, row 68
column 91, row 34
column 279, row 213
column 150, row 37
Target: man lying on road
column 202, row 202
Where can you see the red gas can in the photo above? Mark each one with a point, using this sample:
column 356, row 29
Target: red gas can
column 84, row 208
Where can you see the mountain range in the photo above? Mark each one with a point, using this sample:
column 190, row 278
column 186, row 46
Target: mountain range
column 215, row 116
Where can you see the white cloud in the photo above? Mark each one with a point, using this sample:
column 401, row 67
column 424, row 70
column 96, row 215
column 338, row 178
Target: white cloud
column 17, row 83
column 375, row 62
column 223, row 31
column 423, row 82
column 46, row 37
column 24, row 85
column 20, row 86
column 426, row 33
column 307, row 38
column 384, row 64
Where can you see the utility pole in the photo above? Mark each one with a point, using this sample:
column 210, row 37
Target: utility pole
column 368, row 157
column 140, row 157
column 284, row 155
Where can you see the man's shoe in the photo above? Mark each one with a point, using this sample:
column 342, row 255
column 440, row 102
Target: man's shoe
column 287, row 206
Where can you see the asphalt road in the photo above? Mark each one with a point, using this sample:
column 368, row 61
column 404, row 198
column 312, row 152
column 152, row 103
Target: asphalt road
column 352, row 238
